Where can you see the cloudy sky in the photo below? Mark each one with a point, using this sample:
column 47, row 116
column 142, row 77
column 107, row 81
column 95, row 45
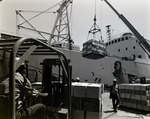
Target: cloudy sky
column 136, row 11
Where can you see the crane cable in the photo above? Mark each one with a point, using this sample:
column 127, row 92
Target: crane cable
column 95, row 7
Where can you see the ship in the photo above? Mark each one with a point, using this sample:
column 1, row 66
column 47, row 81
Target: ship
column 125, row 60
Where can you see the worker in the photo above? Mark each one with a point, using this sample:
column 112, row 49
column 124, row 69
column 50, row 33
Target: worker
column 23, row 88
column 114, row 95
column 77, row 79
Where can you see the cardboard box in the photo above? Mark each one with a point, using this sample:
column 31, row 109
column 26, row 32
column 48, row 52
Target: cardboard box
column 90, row 104
column 93, row 115
column 139, row 107
column 128, row 96
column 146, row 108
column 93, row 49
column 79, row 90
column 145, row 87
column 63, row 113
column 122, row 95
column 78, row 114
column 137, row 87
column 134, row 103
column 145, row 97
column 137, row 97
column 94, row 91
column 76, row 103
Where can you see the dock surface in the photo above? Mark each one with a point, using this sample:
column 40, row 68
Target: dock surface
column 122, row 113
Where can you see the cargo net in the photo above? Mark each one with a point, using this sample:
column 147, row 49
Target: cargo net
column 94, row 49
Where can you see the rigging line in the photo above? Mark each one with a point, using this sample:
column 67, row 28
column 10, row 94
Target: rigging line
column 71, row 18
column 30, row 25
column 17, row 22
column 36, row 11
column 39, row 13
column 101, row 13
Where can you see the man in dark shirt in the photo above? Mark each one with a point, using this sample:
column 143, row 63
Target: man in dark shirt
column 23, row 88
column 114, row 95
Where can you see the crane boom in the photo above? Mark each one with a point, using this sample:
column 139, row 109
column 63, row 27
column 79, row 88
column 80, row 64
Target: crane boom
column 142, row 41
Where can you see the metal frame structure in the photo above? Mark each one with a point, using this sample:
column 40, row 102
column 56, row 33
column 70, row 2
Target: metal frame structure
column 61, row 29
column 25, row 47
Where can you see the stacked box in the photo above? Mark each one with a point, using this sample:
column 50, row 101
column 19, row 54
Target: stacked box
column 136, row 96
column 80, row 114
column 63, row 113
column 87, row 97
column 94, row 91
column 94, row 49
column 89, row 104
column 79, row 91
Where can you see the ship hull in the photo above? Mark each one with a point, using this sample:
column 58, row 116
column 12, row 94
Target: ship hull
column 102, row 70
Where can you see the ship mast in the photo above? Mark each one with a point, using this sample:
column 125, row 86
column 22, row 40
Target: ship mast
column 108, row 32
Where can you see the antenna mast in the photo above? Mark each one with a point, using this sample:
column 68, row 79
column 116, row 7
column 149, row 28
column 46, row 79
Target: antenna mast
column 108, row 32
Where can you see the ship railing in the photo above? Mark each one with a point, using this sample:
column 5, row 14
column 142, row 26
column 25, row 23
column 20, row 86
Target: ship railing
column 123, row 34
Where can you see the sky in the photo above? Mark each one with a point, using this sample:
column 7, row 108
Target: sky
column 136, row 11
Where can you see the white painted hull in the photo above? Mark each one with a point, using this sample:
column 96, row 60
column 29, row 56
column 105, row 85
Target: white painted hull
column 104, row 68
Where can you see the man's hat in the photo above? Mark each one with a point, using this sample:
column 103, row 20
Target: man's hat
column 114, row 80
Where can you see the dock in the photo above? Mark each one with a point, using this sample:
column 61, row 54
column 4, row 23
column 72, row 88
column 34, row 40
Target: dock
column 122, row 113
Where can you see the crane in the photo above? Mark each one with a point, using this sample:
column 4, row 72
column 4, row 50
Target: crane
column 61, row 28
